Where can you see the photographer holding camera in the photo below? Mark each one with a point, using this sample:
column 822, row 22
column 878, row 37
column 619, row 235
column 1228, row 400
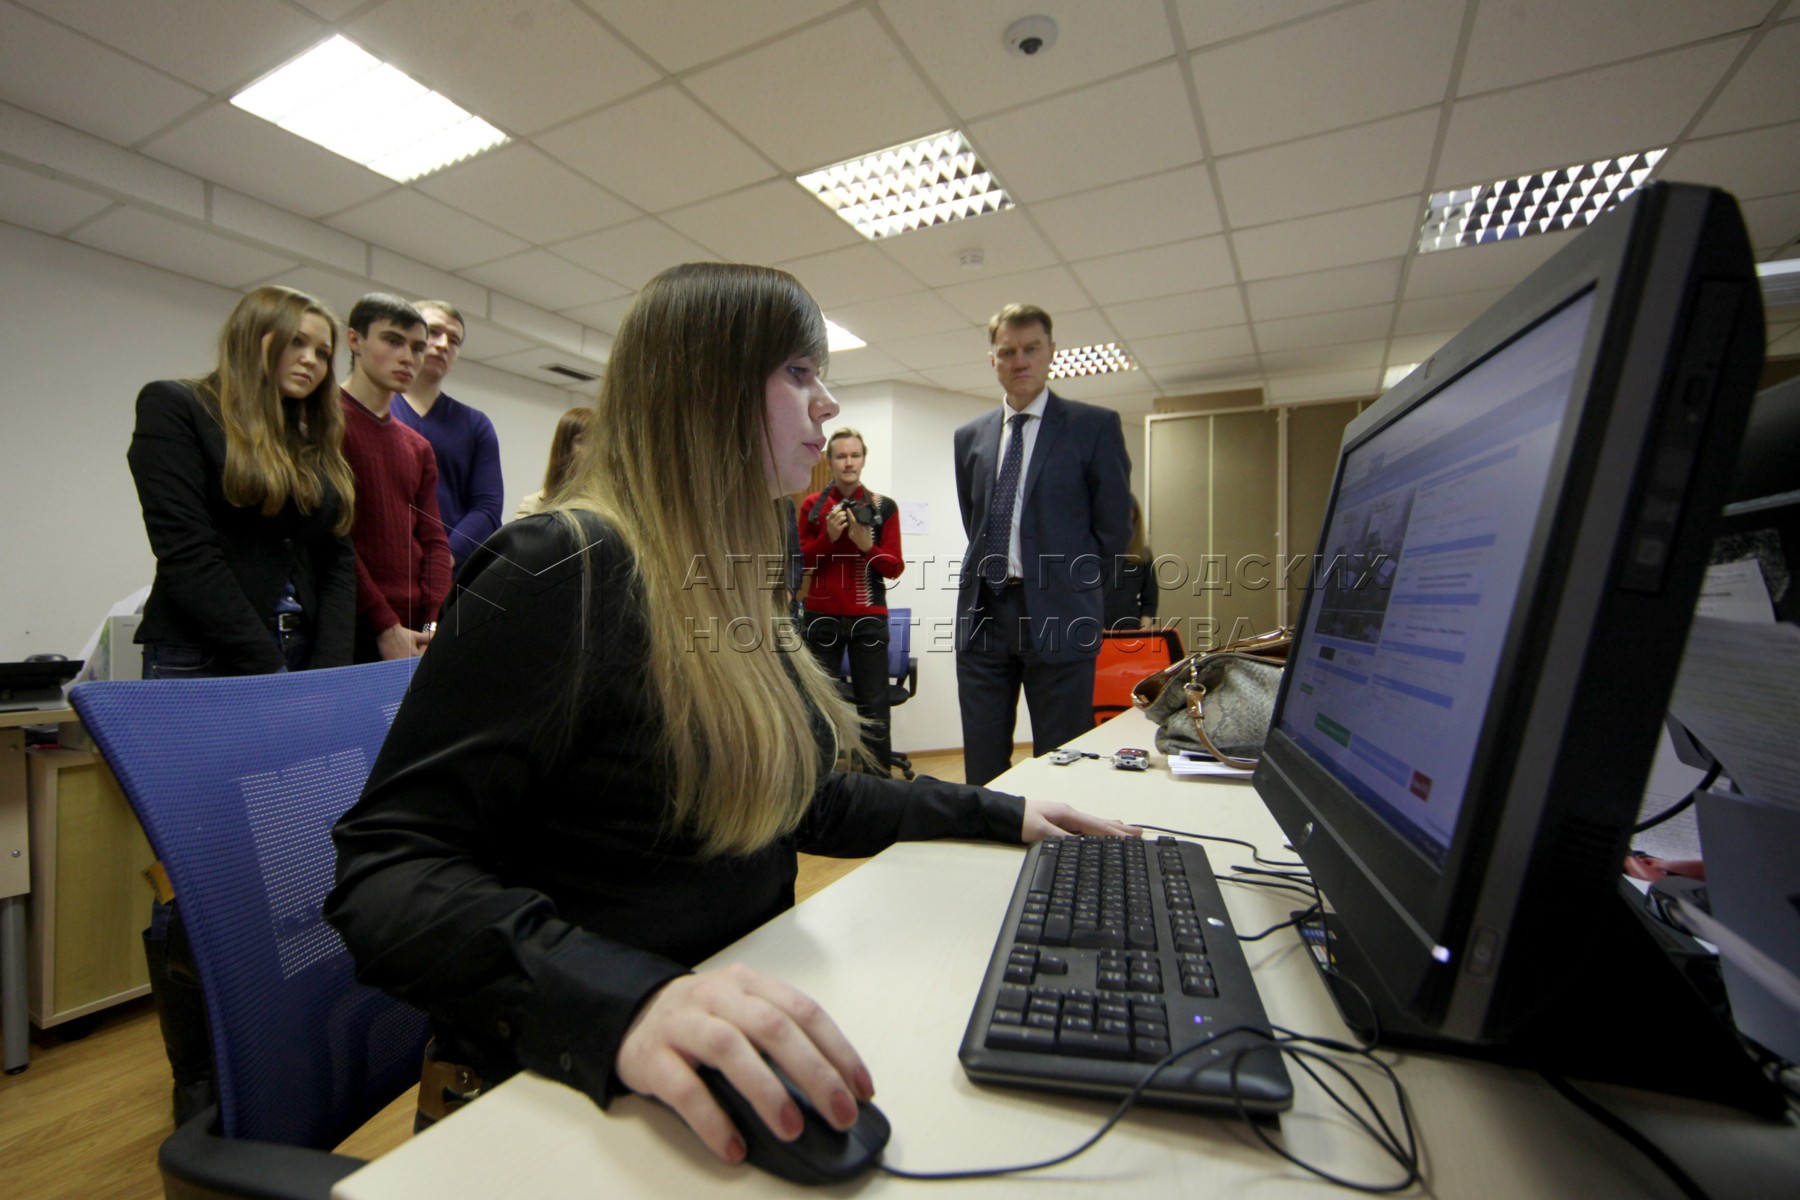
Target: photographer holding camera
column 850, row 540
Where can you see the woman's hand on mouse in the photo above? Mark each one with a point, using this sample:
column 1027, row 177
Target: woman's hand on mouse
column 1053, row 818
column 731, row 1018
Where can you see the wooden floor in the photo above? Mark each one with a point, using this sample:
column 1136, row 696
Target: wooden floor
column 85, row 1119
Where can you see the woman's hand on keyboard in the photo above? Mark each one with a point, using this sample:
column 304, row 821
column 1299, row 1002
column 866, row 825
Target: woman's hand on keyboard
column 1053, row 818
column 731, row 1018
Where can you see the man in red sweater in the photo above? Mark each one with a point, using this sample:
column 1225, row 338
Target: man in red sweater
column 850, row 540
column 402, row 557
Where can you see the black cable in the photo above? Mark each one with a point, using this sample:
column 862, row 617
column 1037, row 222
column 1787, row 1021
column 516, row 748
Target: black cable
column 1711, row 777
column 1263, row 883
column 1642, row 1144
column 1213, row 837
column 1293, row 921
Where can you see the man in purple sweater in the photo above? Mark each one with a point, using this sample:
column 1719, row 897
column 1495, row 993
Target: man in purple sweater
column 469, row 491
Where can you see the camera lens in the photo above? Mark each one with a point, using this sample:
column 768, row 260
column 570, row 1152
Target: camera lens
column 1032, row 45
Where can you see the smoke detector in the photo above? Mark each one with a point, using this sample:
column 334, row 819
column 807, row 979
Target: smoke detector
column 1029, row 37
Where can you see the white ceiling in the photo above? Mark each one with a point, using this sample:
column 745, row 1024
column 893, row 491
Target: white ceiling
column 1231, row 188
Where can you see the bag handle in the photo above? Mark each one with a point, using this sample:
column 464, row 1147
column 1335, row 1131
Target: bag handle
column 1196, row 706
column 1272, row 645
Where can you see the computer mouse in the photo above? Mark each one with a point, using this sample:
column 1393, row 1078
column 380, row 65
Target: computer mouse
column 820, row 1154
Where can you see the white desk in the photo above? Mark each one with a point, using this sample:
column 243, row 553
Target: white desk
column 15, row 878
column 896, row 951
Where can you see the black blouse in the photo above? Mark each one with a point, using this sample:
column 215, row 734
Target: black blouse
column 508, row 868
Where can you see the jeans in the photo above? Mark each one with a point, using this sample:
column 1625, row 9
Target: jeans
column 865, row 640
column 179, row 660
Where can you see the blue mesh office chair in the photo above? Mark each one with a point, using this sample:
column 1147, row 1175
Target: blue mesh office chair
column 237, row 782
column 902, row 673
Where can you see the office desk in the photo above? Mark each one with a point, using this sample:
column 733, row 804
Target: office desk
column 896, row 951
column 15, row 877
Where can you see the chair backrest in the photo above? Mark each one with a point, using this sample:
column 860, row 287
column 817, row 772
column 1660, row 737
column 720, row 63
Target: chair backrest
column 1126, row 656
column 237, row 782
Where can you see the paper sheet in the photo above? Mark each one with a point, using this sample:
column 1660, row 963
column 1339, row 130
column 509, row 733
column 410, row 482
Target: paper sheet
column 1739, row 693
column 1198, row 764
column 1736, row 591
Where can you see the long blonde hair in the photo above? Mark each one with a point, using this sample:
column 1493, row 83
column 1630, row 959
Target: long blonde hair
column 685, row 384
column 277, row 450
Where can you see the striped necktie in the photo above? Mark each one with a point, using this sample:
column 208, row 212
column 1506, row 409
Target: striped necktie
column 1006, row 492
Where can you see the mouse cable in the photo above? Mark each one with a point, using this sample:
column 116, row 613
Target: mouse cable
column 1263, row 883
column 1294, row 921
column 1213, row 837
column 1403, row 1150
column 1711, row 777
column 1643, row 1145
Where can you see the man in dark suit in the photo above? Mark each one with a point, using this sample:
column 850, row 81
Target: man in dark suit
column 1044, row 485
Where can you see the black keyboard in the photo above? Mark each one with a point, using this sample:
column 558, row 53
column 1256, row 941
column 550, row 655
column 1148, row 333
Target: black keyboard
column 1115, row 952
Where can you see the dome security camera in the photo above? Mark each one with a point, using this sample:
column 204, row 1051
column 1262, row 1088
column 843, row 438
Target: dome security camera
column 1030, row 36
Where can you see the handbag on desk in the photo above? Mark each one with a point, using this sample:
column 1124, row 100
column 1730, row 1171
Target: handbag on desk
column 1218, row 702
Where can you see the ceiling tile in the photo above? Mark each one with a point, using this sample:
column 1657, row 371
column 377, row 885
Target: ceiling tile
column 962, row 49
column 1441, row 314
column 415, row 224
column 1763, row 90
column 1191, row 346
column 483, row 340
column 1008, row 242
column 542, row 278
column 1170, row 314
column 45, row 205
column 216, row 45
column 826, row 93
column 544, row 326
column 1079, row 327
column 1052, row 289
column 939, row 349
column 1773, row 220
column 533, row 362
column 282, row 230
column 332, row 10
column 1346, row 67
column 1172, row 207
column 1110, row 388
column 861, row 365
column 229, row 146
column 851, row 275
column 524, row 191
column 63, row 75
column 1162, row 271
column 160, row 242
column 1332, row 171
column 496, row 59
column 1762, row 162
column 339, row 291
column 969, row 377
column 632, row 253
column 613, row 148
column 605, row 315
column 1324, row 291
column 1209, row 375
column 1348, row 357
column 1786, row 344
column 1522, row 41
column 1416, row 347
column 1338, row 239
column 413, row 278
column 1607, row 111
column 876, row 321
column 86, row 159
column 1330, row 385
column 1075, row 141
column 684, row 33
column 1324, row 329
column 771, row 222
column 1475, row 268
column 1204, row 22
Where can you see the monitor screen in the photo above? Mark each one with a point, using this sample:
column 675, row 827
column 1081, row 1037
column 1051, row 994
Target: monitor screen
column 1425, row 553
column 1511, row 551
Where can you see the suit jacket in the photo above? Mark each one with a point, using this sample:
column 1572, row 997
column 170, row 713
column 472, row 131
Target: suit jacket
column 221, row 569
column 1074, row 516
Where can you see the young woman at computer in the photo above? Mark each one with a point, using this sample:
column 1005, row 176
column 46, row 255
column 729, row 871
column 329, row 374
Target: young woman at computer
column 617, row 743
column 247, row 501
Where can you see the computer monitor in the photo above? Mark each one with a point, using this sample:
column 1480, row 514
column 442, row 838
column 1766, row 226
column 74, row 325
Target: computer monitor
column 1511, row 552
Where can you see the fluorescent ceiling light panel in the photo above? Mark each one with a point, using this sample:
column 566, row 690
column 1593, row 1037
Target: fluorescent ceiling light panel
column 838, row 338
column 1560, row 198
column 350, row 102
column 932, row 181
column 1396, row 374
column 1100, row 359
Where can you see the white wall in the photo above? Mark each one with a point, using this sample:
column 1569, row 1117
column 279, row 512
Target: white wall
column 80, row 332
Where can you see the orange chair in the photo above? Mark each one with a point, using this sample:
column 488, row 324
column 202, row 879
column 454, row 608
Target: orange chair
column 1126, row 656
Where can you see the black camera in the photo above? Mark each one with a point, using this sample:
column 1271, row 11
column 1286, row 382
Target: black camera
column 862, row 510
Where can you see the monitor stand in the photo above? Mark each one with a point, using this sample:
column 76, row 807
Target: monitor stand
column 1642, row 1023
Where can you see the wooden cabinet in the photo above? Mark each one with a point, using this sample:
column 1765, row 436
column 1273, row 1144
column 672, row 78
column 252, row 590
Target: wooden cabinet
column 89, row 901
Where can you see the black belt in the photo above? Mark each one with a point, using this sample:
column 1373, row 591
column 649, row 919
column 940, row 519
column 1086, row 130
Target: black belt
column 286, row 622
column 1012, row 581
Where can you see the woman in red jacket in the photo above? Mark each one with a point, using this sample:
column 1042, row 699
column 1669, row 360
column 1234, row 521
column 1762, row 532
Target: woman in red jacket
column 850, row 539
